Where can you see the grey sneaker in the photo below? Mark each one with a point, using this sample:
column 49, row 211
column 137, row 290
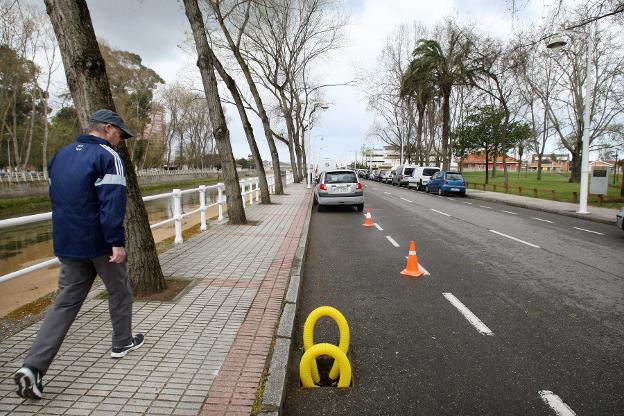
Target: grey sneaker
column 137, row 341
column 29, row 383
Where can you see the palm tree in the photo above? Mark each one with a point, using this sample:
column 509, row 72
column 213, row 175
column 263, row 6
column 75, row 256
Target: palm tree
column 448, row 68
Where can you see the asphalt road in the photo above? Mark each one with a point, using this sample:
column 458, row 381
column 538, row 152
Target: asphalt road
column 550, row 289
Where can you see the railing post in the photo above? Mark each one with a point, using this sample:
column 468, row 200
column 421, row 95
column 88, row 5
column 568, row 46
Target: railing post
column 250, row 193
column 494, row 187
column 177, row 215
column 220, row 200
column 574, row 197
column 202, row 207
column 534, row 192
column 519, row 190
column 600, row 198
column 554, row 195
column 243, row 192
column 257, row 190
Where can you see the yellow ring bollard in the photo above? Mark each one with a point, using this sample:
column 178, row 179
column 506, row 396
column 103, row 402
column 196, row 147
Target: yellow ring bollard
column 340, row 358
column 308, row 336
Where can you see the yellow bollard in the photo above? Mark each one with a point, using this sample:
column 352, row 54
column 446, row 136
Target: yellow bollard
column 308, row 336
column 309, row 358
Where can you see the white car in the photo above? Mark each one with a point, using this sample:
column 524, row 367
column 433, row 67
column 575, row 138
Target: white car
column 421, row 176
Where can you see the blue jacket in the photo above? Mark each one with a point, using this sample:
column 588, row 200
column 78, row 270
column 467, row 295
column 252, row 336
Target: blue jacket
column 88, row 193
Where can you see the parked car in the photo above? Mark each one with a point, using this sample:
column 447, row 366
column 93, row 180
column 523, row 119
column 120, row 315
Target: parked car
column 382, row 175
column 390, row 177
column 619, row 221
column 402, row 174
column 444, row 182
column 421, row 176
column 339, row 187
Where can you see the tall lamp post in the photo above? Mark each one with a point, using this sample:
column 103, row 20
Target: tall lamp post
column 557, row 41
column 311, row 148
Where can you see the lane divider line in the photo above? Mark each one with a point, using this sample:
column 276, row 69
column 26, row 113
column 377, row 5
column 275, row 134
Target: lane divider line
column 394, row 243
column 378, row 227
column 589, row 231
column 509, row 212
column 515, row 239
column 387, row 193
column 539, row 219
column 440, row 212
column 406, row 200
column 555, row 403
column 483, row 206
column 471, row 317
column 468, row 203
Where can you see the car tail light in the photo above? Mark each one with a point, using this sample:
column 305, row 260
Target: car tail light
column 322, row 187
column 358, row 186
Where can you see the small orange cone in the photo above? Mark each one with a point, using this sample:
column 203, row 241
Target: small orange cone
column 369, row 220
column 412, row 269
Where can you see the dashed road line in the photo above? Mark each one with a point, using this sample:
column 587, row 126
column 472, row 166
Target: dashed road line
column 555, row 403
column 405, row 199
column 440, row 212
column 471, row 317
column 484, row 206
column 509, row 212
column 468, row 203
column 394, row 243
column 589, row 231
column 386, row 192
column 539, row 219
column 378, row 227
column 515, row 239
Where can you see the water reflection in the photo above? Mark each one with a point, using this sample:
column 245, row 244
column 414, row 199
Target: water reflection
column 24, row 244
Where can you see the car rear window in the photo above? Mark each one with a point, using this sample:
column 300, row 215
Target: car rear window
column 429, row 172
column 408, row 171
column 454, row 176
column 340, row 177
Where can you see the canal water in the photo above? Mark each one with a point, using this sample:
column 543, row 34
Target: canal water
column 27, row 244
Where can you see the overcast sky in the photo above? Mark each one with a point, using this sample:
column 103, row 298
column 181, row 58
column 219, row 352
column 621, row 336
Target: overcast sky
column 154, row 29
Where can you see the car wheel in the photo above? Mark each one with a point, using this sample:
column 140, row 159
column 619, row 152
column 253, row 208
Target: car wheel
column 320, row 208
column 427, row 189
column 360, row 207
column 463, row 194
column 440, row 193
column 420, row 186
column 315, row 202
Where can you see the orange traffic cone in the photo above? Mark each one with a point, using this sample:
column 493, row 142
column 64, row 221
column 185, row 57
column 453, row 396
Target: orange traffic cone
column 412, row 269
column 369, row 220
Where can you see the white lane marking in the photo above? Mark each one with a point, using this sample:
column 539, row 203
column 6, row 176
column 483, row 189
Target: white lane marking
column 385, row 192
column 509, row 212
column 515, row 239
column 483, row 206
column 440, row 212
column 394, row 243
column 378, row 227
column 374, row 188
column 555, row 402
column 451, row 199
column 468, row 203
column 471, row 317
column 406, row 200
column 589, row 231
column 539, row 219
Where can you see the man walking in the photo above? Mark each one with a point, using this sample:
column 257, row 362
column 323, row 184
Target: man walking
column 88, row 194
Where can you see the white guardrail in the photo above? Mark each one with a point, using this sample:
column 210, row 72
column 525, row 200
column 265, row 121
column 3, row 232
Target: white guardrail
column 249, row 190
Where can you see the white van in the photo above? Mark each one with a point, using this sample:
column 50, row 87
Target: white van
column 420, row 177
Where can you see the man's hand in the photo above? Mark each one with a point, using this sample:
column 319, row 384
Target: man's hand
column 119, row 255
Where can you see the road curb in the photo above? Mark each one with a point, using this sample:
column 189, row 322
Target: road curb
column 272, row 396
column 538, row 207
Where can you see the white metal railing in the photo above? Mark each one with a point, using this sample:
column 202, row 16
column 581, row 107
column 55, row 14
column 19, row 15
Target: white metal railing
column 249, row 190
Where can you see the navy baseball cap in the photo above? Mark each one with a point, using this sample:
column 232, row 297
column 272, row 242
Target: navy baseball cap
column 110, row 117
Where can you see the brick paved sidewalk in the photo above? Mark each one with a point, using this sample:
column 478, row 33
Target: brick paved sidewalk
column 204, row 353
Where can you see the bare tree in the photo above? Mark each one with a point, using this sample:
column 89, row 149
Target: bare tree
column 86, row 76
column 205, row 62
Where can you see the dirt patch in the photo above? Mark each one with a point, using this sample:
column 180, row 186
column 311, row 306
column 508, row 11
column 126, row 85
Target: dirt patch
column 25, row 316
column 174, row 288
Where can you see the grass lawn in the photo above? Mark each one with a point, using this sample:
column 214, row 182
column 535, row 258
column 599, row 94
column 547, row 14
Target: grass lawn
column 550, row 182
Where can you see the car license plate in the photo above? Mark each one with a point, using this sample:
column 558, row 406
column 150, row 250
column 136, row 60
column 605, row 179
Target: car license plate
column 454, row 189
column 342, row 189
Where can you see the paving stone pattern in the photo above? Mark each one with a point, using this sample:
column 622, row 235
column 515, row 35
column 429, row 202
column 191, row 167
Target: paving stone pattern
column 204, row 353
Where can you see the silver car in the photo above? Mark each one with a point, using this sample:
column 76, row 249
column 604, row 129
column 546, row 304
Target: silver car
column 339, row 187
column 619, row 216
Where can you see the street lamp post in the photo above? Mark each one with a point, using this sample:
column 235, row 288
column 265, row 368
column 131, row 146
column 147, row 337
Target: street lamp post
column 556, row 41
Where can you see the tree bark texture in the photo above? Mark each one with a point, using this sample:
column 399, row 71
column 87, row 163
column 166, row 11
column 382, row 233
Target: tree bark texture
column 86, row 76
column 236, row 212
column 265, row 196
column 446, row 116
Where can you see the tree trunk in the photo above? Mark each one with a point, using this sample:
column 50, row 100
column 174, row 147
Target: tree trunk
column 88, row 83
column 236, row 212
column 446, row 114
column 265, row 196
column 33, row 111
column 268, row 132
column 575, row 167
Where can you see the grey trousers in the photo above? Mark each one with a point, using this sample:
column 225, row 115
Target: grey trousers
column 75, row 280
